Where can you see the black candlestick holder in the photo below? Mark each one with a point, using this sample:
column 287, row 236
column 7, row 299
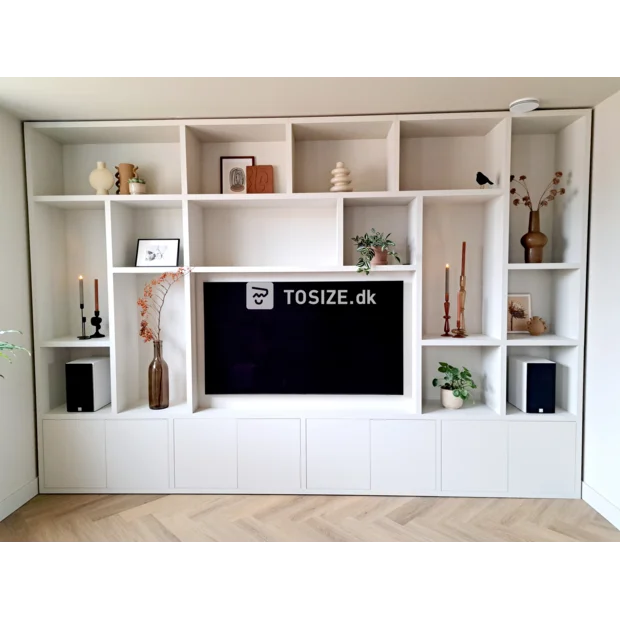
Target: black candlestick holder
column 96, row 323
column 83, row 336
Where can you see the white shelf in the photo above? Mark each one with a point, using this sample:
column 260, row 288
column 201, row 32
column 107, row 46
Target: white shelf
column 61, row 413
column 433, row 410
column 474, row 340
column 560, row 415
column 72, row 202
column 72, row 341
column 548, row 340
column 143, row 270
column 285, row 269
column 542, row 266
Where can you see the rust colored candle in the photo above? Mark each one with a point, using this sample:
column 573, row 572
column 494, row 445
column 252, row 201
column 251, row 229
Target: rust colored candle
column 463, row 258
column 96, row 294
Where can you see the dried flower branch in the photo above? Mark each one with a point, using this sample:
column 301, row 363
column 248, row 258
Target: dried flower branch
column 152, row 302
column 547, row 196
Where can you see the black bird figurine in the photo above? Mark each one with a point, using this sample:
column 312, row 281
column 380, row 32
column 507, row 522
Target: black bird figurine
column 483, row 180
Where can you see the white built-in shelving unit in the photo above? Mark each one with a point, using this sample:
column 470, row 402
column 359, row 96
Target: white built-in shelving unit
column 414, row 176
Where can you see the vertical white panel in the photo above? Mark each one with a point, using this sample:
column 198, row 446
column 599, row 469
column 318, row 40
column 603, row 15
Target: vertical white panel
column 340, row 240
column 269, row 455
column 205, row 454
column 289, row 159
column 402, row 456
column 542, row 459
column 74, row 454
column 338, row 456
column 191, row 151
column 137, row 454
column 474, row 457
column 393, row 157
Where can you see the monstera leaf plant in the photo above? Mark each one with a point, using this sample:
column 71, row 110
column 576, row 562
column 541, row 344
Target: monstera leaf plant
column 8, row 349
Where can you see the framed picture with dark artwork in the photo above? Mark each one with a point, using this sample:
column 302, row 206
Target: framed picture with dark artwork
column 233, row 178
column 519, row 312
column 158, row 253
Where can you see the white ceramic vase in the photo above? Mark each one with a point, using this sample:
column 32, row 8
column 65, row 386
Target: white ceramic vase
column 137, row 188
column 449, row 400
column 101, row 179
column 341, row 181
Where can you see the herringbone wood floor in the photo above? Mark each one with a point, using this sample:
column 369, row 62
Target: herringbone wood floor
column 301, row 518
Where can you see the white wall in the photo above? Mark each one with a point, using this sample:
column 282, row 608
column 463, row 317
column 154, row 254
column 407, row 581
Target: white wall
column 17, row 435
column 602, row 406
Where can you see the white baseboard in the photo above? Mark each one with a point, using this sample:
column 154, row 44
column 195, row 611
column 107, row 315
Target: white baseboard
column 603, row 506
column 18, row 499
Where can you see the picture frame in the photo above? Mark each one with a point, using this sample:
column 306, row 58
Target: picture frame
column 517, row 324
column 233, row 175
column 158, row 252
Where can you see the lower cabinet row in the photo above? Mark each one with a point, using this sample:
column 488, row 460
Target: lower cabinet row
column 407, row 457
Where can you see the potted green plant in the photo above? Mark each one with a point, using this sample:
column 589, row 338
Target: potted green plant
column 374, row 249
column 137, row 186
column 455, row 385
column 10, row 347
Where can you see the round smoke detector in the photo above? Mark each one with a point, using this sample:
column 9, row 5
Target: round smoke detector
column 522, row 106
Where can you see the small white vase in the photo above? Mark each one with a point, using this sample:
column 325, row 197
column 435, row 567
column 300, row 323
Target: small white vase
column 449, row 400
column 101, row 179
column 137, row 188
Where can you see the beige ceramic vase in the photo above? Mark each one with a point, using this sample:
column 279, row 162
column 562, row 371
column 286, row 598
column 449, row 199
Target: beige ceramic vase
column 536, row 326
column 449, row 400
column 101, row 179
column 123, row 174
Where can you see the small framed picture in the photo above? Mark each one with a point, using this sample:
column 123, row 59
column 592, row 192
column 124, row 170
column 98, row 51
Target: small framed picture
column 233, row 179
column 158, row 253
column 519, row 312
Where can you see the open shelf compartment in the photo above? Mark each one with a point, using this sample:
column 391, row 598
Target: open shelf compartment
column 447, row 153
column 67, row 243
column 446, row 224
column 543, row 143
column 132, row 356
column 364, row 145
column 485, row 365
column 207, row 141
column 61, row 156
column 568, row 392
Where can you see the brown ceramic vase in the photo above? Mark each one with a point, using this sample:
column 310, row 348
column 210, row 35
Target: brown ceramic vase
column 534, row 241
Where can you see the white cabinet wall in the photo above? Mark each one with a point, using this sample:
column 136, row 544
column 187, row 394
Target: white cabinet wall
column 403, row 456
column 488, row 458
column 74, row 454
column 338, row 454
column 269, row 458
column 137, row 454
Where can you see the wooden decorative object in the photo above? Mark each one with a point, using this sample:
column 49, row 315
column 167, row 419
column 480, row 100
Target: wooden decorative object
column 446, row 320
column 260, row 179
column 460, row 331
column 536, row 326
column 123, row 174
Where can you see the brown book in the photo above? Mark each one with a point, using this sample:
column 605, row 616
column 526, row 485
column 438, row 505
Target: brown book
column 260, row 179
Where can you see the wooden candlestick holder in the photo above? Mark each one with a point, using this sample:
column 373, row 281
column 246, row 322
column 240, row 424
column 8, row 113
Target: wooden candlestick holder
column 446, row 319
column 460, row 331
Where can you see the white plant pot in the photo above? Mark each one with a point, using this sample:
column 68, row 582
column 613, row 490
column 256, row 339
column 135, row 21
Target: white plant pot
column 137, row 188
column 449, row 400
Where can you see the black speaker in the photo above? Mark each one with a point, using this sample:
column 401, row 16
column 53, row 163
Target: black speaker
column 531, row 384
column 88, row 384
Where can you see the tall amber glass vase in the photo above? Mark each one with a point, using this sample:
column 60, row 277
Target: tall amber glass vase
column 159, row 386
column 534, row 241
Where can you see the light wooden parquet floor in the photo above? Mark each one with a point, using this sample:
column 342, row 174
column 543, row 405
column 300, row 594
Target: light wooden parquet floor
column 301, row 518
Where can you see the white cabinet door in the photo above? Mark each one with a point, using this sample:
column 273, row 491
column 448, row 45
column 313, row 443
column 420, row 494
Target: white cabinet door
column 137, row 455
column 74, row 454
column 542, row 459
column 205, row 454
column 474, row 457
column 403, row 456
column 338, row 454
column 269, row 455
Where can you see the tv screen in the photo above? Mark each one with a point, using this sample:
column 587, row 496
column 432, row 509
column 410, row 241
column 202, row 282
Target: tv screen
column 303, row 338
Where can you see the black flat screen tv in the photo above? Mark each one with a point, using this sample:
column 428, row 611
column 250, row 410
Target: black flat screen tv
column 303, row 337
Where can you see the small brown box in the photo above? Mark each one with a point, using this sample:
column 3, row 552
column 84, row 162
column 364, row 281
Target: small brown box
column 260, row 179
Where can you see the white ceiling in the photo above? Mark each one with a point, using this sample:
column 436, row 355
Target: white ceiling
column 142, row 98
